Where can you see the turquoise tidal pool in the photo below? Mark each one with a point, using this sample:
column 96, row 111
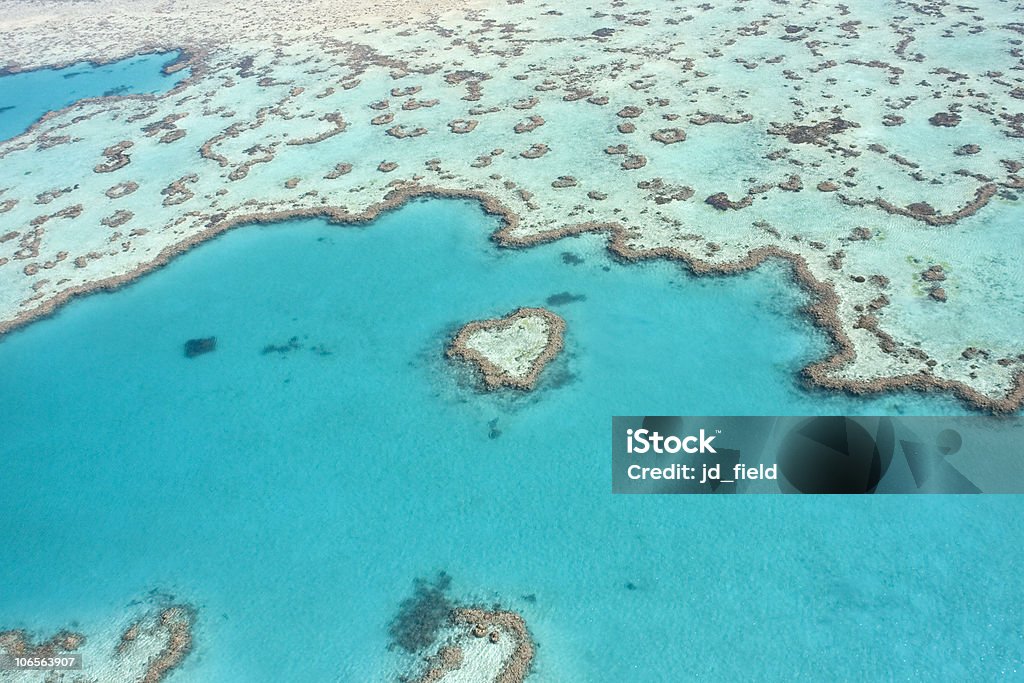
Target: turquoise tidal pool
column 25, row 97
column 295, row 481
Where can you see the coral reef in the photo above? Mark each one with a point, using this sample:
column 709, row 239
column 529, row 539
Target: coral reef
column 358, row 116
column 511, row 351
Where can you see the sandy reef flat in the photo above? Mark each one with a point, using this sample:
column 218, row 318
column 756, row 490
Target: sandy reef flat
column 480, row 646
column 146, row 650
column 877, row 149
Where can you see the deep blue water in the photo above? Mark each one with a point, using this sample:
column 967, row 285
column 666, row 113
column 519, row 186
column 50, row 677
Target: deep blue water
column 26, row 96
column 293, row 497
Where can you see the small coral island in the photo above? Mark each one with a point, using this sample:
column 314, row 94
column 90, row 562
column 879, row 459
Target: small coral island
column 511, row 351
column 455, row 643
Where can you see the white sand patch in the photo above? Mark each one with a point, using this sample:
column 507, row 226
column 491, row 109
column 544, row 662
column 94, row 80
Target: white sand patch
column 515, row 348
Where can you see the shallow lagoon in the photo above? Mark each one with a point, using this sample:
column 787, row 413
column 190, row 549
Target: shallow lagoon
column 27, row 96
column 294, row 496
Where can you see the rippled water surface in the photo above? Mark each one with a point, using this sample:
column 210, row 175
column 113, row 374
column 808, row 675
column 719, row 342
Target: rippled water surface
column 292, row 483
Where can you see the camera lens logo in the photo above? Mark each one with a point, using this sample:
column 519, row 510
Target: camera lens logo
column 834, row 455
column 948, row 442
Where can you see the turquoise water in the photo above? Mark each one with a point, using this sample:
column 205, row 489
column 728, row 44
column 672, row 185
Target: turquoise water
column 293, row 497
column 26, row 96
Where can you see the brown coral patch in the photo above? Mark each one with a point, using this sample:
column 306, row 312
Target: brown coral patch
column 17, row 644
column 338, row 171
column 116, row 156
column 178, row 620
column 517, row 667
column 535, row 151
column 178, row 192
column 704, row 118
column 402, row 132
column 945, row 119
column 406, row 92
column 669, row 136
column 817, row 134
column 721, row 201
column 530, row 124
column 634, row 161
column 577, row 95
column 411, row 105
column 792, row 184
column 926, row 213
column 335, row 119
column 528, row 103
column 447, row 659
column 117, row 219
column 462, row 126
column 172, row 136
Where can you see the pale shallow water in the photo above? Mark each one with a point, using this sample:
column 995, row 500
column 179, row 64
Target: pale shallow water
column 26, row 96
column 294, row 497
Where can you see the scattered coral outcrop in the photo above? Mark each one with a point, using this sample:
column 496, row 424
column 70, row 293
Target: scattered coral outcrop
column 146, row 651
